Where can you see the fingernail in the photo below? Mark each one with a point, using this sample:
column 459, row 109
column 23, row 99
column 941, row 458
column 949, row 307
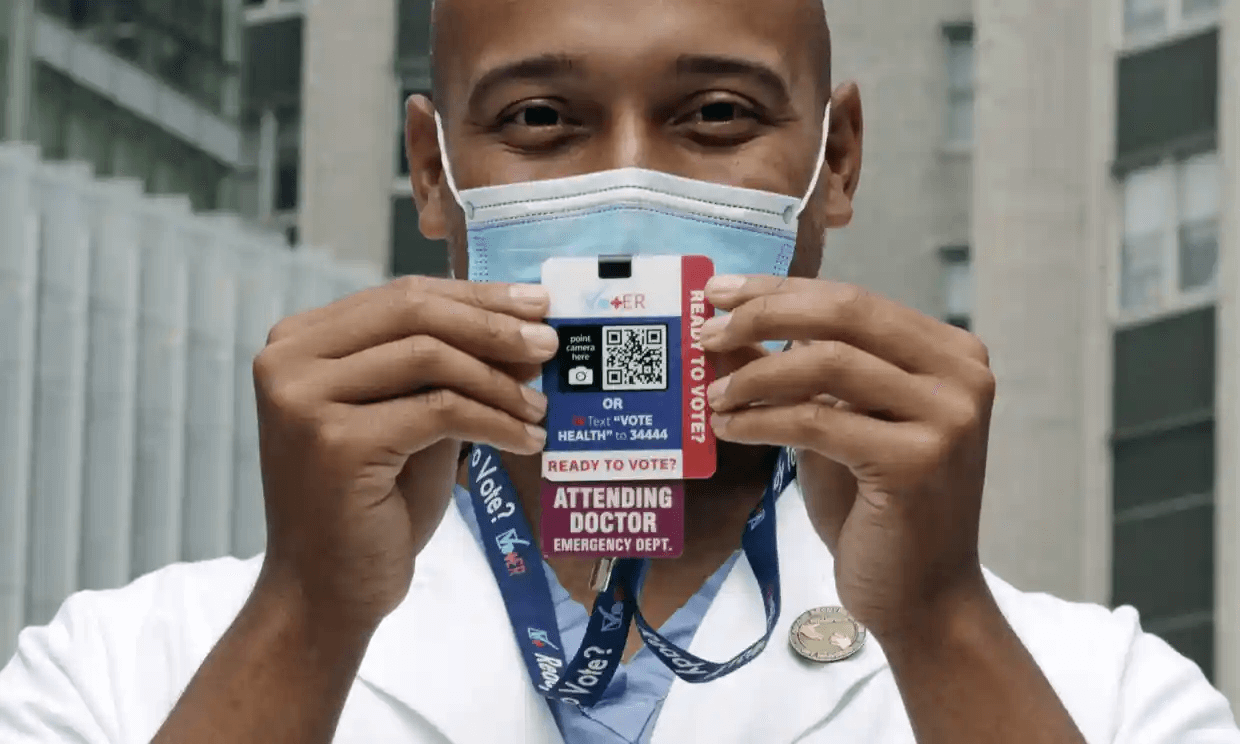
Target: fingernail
column 542, row 338
column 715, row 326
column 719, row 422
column 529, row 293
column 716, row 390
column 537, row 401
column 537, row 433
column 725, row 284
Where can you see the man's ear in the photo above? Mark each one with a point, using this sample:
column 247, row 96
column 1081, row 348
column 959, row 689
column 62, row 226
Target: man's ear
column 843, row 161
column 426, row 173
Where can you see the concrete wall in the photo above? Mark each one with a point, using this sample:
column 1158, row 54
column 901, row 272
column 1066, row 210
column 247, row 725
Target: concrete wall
column 18, row 22
column 1227, row 480
column 1031, row 221
column 914, row 194
column 349, row 104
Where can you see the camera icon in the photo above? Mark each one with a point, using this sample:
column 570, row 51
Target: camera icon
column 581, row 376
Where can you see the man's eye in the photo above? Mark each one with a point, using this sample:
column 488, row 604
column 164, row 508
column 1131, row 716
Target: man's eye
column 721, row 112
column 725, row 123
column 537, row 116
column 537, row 127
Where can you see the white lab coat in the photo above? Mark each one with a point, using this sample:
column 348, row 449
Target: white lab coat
column 444, row 667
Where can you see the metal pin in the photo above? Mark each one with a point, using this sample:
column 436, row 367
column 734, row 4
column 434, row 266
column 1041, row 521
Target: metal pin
column 600, row 575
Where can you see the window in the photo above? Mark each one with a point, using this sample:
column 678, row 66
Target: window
column 1163, row 477
column 179, row 42
column 960, row 80
column 287, row 159
column 1192, row 10
column 274, row 59
column 77, row 14
column 1150, row 20
column 412, row 253
column 413, row 29
column 1169, row 251
column 286, row 185
column 1145, row 16
column 1198, row 186
column 51, row 92
column 71, row 122
column 1146, row 197
column 957, row 286
column 89, row 133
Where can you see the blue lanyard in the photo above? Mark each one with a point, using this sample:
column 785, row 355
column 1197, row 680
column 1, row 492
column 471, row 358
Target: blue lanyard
column 517, row 565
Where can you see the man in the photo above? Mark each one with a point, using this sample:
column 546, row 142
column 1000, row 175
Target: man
column 372, row 616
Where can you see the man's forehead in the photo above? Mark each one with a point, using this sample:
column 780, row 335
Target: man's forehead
column 435, row 4
column 468, row 33
column 707, row 7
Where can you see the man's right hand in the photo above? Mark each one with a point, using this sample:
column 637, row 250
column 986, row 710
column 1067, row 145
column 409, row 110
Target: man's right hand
column 362, row 408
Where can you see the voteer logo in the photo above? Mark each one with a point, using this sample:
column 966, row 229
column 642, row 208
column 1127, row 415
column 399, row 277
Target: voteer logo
column 539, row 638
column 628, row 301
column 598, row 300
column 508, row 540
column 613, row 620
column 514, row 564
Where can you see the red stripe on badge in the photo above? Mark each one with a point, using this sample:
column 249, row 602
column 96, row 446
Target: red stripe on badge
column 698, row 440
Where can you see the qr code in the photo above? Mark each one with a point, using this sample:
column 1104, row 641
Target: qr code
column 635, row 357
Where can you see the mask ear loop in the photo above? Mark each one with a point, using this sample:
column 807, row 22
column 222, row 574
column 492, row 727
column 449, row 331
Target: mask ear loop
column 447, row 168
column 793, row 212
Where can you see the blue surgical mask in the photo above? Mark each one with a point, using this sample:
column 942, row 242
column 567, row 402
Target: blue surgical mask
column 512, row 229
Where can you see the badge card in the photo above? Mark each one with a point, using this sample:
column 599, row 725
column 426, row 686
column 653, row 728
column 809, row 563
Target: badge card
column 626, row 393
column 627, row 419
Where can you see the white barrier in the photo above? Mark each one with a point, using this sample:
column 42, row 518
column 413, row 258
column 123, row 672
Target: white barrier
column 128, row 327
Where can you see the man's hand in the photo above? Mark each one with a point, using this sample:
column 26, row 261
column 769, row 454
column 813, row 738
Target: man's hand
column 362, row 407
column 889, row 411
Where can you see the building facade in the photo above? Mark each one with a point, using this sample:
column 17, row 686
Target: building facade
column 1054, row 175
column 909, row 238
column 146, row 90
column 325, row 94
column 1105, row 151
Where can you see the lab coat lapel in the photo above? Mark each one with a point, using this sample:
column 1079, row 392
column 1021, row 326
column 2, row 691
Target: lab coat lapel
column 779, row 695
column 447, row 653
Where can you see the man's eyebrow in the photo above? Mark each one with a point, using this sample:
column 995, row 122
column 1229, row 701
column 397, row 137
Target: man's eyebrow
column 690, row 64
column 533, row 68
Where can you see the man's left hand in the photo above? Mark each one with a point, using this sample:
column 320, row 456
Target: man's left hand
column 889, row 411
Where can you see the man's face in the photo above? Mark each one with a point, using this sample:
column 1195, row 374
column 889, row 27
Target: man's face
column 728, row 91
